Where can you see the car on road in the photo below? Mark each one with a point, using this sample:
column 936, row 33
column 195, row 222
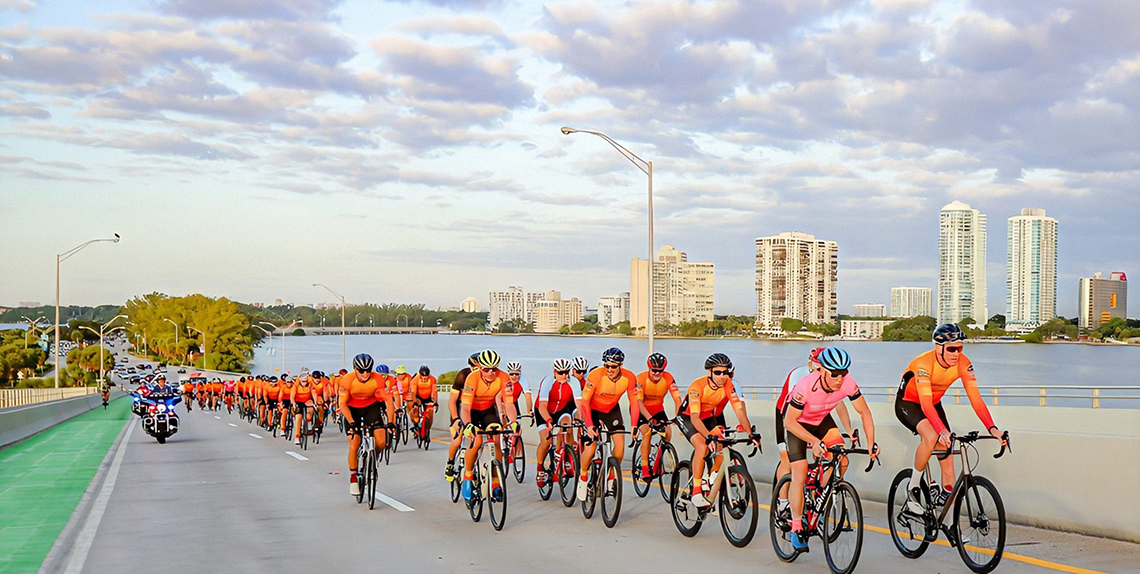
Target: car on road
column 181, row 371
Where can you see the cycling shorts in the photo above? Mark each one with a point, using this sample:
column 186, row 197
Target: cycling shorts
column 611, row 420
column 425, row 402
column 370, row 417
column 686, row 424
column 797, row 448
column 910, row 413
column 566, row 411
column 659, row 417
column 482, row 418
column 286, row 404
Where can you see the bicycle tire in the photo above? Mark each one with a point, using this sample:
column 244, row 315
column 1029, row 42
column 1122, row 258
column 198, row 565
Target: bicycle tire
column 591, row 501
column 610, row 483
column 426, row 433
column 686, row 516
column 518, row 465
column 361, row 459
column 738, row 502
column 497, row 506
column 971, row 499
column 668, row 458
column 780, row 526
column 544, row 492
column 568, row 477
column 457, row 481
column 475, row 505
column 902, row 526
column 850, row 519
column 640, row 483
column 372, row 474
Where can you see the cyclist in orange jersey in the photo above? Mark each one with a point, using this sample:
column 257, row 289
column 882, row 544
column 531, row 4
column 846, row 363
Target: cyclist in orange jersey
column 453, row 409
column 302, row 398
column 188, row 394
column 271, row 397
column 604, row 388
column 652, row 386
column 483, row 399
column 402, row 380
column 422, row 389
column 284, row 402
column 364, row 402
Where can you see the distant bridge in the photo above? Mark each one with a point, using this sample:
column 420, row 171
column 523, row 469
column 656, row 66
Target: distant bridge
column 369, row 330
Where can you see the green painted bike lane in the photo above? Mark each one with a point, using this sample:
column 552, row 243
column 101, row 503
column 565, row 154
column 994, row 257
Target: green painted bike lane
column 43, row 478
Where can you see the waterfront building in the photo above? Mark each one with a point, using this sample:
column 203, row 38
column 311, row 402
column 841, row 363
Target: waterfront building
column 682, row 290
column 1102, row 300
column 532, row 300
column 469, row 305
column 506, row 305
column 37, row 304
column 871, row 310
column 795, row 278
column 863, row 328
column 613, row 310
column 552, row 313
column 962, row 264
column 911, row 302
column 1031, row 269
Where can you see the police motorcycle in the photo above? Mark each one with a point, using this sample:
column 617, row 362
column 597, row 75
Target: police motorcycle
column 155, row 405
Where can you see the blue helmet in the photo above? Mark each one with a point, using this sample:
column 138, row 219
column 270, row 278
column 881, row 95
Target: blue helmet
column 382, row 369
column 613, row 355
column 948, row 333
column 362, row 363
column 835, row 359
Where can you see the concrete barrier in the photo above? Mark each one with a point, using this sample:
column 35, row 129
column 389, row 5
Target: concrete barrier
column 1070, row 469
column 19, row 423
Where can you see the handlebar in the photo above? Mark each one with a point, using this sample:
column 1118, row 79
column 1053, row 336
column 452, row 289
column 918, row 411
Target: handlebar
column 839, row 450
column 974, row 436
column 726, row 439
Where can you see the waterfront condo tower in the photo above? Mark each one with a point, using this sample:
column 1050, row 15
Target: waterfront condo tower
column 1031, row 269
column 795, row 278
column 962, row 264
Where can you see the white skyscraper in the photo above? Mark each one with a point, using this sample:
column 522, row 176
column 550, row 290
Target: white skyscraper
column 506, row 305
column 795, row 278
column 613, row 310
column 962, row 264
column 911, row 302
column 682, row 290
column 1031, row 268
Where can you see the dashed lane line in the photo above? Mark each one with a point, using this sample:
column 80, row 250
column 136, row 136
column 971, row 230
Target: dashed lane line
column 259, row 437
column 295, row 455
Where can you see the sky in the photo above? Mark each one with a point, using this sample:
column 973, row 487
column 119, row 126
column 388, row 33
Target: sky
column 410, row 151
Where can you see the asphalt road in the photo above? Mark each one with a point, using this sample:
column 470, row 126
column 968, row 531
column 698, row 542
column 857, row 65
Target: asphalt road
column 216, row 499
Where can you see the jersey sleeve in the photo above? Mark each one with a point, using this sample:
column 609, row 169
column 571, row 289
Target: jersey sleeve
column 468, row 395
column 970, row 383
column 694, row 398
column 733, row 398
column 921, row 380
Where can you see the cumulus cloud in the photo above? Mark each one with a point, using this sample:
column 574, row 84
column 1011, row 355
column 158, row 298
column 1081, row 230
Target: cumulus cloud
column 251, row 9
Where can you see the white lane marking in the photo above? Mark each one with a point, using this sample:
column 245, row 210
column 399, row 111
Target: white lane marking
column 233, row 425
column 219, row 418
column 91, row 525
column 295, row 455
column 254, row 436
column 394, row 503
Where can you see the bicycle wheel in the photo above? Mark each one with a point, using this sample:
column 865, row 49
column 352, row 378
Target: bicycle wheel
column 568, row 475
column 640, row 483
column 404, row 426
column 361, row 460
column 518, row 465
column 780, row 524
column 457, row 482
column 843, row 529
column 685, row 515
column 611, row 487
column 475, row 505
column 426, row 433
column 591, row 490
column 498, row 504
column 667, row 464
column 911, row 533
column 738, row 506
column 547, row 489
column 372, row 474
column 394, row 437
column 979, row 521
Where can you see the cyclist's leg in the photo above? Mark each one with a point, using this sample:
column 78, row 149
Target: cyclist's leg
column 798, row 464
column 646, row 438
column 471, row 454
column 430, row 414
column 298, row 412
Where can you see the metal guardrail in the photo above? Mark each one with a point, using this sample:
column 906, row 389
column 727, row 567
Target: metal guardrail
column 22, row 397
column 1090, row 394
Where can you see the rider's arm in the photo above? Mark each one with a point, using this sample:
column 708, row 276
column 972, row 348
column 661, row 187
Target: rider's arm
column 737, row 405
column 792, row 424
column 584, row 408
column 342, row 401
column 970, row 383
column 864, row 411
column 389, row 405
column 293, row 394
column 465, row 400
column 676, row 394
column 844, row 418
column 635, row 405
column 506, row 407
column 638, row 399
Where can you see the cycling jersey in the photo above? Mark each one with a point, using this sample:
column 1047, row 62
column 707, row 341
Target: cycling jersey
column 816, row 402
column 403, row 381
column 230, row 386
column 704, row 402
column 460, row 380
column 517, row 390
column 602, row 393
column 557, row 396
column 481, row 394
column 302, row 393
column 793, row 377
column 422, row 386
column 652, row 393
column 286, row 391
column 925, row 381
column 364, row 393
column 272, row 391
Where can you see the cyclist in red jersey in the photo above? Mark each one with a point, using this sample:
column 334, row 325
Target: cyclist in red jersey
column 557, row 401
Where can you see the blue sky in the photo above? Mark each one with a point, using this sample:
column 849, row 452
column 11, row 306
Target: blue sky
column 409, row 151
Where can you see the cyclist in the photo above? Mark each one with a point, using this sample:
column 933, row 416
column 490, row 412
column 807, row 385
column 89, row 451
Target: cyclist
column 422, row 389
column 392, row 384
column 519, row 387
column 652, row 386
column 271, row 397
column 364, row 402
column 216, row 393
column 302, row 397
column 702, row 417
column 453, row 411
column 600, row 396
column 557, row 400
column 402, row 380
column 808, row 425
column 794, row 377
column 321, row 397
column 918, row 406
column 229, row 388
column 188, row 394
column 483, row 400
column 285, row 402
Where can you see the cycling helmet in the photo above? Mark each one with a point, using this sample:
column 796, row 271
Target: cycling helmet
column 285, row 377
column 400, row 370
column 362, row 363
column 383, row 369
column 304, row 374
column 814, row 354
column 424, row 370
column 345, row 371
column 718, row 360
column 514, row 366
column 473, row 360
column 488, row 359
column 948, row 333
column 613, row 355
column 835, row 359
column 656, row 361
column 561, row 365
column 273, row 379
column 581, row 364
column 318, row 374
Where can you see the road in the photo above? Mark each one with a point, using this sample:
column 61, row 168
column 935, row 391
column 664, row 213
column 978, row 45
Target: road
column 223, row 496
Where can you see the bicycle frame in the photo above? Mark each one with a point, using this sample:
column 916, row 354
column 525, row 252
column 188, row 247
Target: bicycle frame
column 965, row 444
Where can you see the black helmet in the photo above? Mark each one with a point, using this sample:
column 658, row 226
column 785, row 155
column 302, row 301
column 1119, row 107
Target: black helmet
column 948, row 333
column 613, row 355
column 656, row 361
column 473, row 360
column 362, row 363
column 424, row 371
column 718, row 360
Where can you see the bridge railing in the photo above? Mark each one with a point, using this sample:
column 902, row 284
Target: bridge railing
column 1090, row 396
column 22, row 397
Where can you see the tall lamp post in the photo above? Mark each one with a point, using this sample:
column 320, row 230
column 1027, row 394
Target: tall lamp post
column 32, row 325
column 205, row 342
column 102, row 332
column 263, row 330
column 60, row 258
column 176, row 330
column 646, row 167
column 343, row 326
column 285, row 331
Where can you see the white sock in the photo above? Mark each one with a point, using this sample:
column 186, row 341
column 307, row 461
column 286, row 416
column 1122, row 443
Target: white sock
column 915, row 478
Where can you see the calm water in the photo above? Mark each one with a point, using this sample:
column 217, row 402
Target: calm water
column 758, row 363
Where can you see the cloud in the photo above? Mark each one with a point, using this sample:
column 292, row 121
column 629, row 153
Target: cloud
column 24, row 6
column 447, row 73
column 251, row 9
column 24, row 110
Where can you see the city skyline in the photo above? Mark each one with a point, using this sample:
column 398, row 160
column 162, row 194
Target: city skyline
column 414, row 137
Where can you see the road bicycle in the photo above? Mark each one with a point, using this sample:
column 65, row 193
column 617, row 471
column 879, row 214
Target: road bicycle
column 488, row 480
column 423, row 431
column 366, row 472
column 978, row 527
column 457, row 481
column 561, row 464
column 400, row 434
column 832, row 511
column 736, row 502
column 515, row 452
column 662, row 461
column 604, row 479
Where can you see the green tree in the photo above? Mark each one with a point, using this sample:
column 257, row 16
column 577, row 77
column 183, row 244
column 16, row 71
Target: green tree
column 910, row 329
column 790, row 325
column 825, row 329
column 997, row 321
column 583, row 328
column 621, row 328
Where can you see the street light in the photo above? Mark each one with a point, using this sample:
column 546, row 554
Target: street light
column 356, row 319
column 267, row 332
column 646, row 167
column 285, row 331
column 176, row 330
column 205, row 340
column 343, row 327
column 102, row 333
column 32, row 325
column 405, row 320
column 60, row 258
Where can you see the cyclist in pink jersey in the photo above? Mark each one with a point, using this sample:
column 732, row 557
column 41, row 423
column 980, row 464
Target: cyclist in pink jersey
column 808, row 424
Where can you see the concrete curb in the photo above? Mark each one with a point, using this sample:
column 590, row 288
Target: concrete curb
column 57, row 556
column 21, row 423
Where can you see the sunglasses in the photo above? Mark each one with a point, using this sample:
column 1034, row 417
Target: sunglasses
column 490, row 369
column 561, row 372
column 515, row 374
column 838, row 374
column 579, row 371
column 617, row 366
column 720, row 372
column 657, row 371
column 953, row 349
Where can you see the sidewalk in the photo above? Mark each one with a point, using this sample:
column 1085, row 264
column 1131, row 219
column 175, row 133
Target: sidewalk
column 43, row 478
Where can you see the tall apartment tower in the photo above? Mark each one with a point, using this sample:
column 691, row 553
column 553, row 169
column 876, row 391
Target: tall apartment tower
column 613, row 310
column 506, row 305
column 1031, row 268
column 1102, row 300
column 911, row 302
column 962, row 264
column 682, row 290
column 795, row 278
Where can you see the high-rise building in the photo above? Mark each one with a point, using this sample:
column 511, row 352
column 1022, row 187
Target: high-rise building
column 469, row 305
column 795, row 278
column 1031, row 268
column 1102, row 300
column 613, row 310
column 506, row 305
column 682, row 290
column 871, row 310
column 532, row 300
column 552, row 313
column 911, row 302
column 962, row 264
